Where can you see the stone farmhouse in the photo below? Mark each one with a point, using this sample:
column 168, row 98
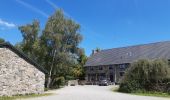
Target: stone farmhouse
column 111, row 63
column 18, row 73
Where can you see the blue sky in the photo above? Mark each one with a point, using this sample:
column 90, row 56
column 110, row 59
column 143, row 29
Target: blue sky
column 104, row 23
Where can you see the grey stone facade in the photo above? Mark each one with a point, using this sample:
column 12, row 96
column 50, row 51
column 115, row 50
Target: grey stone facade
column 97, row 65
column 17, row 76
column 109, row 72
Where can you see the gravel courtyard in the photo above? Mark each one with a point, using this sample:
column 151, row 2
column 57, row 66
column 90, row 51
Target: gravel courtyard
column 93, row 93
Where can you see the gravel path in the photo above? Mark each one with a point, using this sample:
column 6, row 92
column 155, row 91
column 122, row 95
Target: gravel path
column 93, row 93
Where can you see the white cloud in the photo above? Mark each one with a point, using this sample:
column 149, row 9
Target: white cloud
column 7, row 24
column 32, row 8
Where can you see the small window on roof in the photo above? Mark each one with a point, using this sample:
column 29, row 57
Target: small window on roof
column 129, row 53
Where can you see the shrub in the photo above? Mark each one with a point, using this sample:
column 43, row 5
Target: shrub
column 146, row 75
column 59, row 81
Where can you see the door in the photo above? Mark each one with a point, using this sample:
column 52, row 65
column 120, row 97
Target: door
column 111, row 78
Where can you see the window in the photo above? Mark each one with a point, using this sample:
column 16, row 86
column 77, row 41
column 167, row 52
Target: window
column 100, row 68
column 121, row 73
column 122, row 66
column 110, row 67
column 129, row 54
column 91, row 68
column 168, row 62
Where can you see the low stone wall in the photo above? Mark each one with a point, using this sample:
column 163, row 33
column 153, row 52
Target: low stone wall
column 71, row 82
column 17, row 76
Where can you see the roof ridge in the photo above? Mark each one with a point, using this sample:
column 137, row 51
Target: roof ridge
column 130, row 54
column 136, row 45
column 22, row 55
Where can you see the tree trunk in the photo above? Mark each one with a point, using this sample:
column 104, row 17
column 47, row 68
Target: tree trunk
column 49, row 78
column 48, row 82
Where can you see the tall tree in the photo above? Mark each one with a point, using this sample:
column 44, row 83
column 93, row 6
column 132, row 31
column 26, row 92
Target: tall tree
column 2, row 40
column 61, row 38
column 56, row 48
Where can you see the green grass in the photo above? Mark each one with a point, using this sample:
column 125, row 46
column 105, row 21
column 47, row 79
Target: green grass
column 156, row 94
column 115, row 88
column 145, row 93
column 24, row 96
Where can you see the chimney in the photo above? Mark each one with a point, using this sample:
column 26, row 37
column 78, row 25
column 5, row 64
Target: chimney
column 95, row 51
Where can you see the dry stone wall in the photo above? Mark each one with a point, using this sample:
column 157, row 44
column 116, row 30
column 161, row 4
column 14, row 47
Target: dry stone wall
column 17, row 76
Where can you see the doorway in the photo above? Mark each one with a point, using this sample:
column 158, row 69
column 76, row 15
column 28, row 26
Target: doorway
column 111, row 78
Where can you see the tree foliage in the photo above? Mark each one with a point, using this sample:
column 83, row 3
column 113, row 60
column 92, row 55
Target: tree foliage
column 2, row 40
column 146, row 75
column 56, row 47
column 97, row 49
column 78, row 70
column 30, row 38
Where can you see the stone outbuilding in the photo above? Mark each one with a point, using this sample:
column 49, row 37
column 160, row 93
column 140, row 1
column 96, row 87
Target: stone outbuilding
column 18, row 73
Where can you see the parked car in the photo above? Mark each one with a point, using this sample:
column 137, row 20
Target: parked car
column 104, row 82
column 72, row 84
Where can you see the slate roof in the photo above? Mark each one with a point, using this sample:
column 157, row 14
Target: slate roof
column 22, row 55
column 159, row 50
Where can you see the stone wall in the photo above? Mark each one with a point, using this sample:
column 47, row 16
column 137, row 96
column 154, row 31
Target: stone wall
column 17, row 76
column 71, row 82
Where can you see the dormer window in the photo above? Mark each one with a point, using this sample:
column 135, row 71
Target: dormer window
column 129, row 54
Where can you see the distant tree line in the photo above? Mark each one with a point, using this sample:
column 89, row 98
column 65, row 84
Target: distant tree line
column 56, row 48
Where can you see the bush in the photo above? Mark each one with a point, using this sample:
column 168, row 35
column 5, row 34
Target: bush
column 129, row 86
column 145, row 75
column 59, row 81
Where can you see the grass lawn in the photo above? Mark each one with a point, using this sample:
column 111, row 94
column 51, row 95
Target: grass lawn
column 24, row 96
column 156, row 94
